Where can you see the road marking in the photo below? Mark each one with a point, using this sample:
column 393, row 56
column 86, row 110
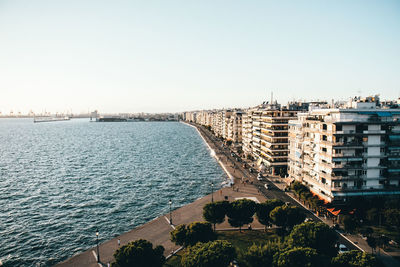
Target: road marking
column 173, row 227
column 173, row 253
column 95, row 256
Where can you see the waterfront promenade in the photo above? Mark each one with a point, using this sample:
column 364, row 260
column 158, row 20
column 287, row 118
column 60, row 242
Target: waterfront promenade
column 157, row 231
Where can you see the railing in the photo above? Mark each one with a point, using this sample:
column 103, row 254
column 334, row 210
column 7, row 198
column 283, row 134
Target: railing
column 374, row 132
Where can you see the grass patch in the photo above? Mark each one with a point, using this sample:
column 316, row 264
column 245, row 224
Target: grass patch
column 241, row 241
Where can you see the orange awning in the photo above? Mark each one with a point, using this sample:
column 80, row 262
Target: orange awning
column 336, row 213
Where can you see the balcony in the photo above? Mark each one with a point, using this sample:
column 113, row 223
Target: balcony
column 374, row 132
column 348, row 144
column 374, row 145
column 380, row 155
column 348, row 166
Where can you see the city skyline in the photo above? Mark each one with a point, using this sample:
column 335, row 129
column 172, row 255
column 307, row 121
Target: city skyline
column 179, row 56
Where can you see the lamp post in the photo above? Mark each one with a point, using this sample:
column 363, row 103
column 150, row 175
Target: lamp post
column 170, row 216
column 212, row 191
column 98, row 253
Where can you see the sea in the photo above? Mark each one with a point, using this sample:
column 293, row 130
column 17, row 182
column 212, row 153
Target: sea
column 60, row 181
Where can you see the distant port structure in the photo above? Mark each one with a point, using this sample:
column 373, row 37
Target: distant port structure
column 50, row 118
column 95, row 116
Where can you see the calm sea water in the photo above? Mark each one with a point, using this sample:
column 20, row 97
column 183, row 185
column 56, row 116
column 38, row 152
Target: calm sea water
column 59, row 181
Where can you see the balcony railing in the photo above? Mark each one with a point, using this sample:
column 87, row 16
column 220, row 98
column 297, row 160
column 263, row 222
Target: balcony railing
column 374, row 132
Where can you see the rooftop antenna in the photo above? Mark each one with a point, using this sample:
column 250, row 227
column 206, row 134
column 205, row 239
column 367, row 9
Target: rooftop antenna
column 272, row 96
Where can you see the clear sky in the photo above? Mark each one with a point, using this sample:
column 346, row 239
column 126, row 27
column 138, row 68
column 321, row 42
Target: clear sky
column 168, row 55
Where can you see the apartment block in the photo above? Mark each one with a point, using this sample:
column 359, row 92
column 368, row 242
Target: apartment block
column 347, row 152
column 265, row 135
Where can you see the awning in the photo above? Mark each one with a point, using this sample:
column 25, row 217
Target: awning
column 333, row 211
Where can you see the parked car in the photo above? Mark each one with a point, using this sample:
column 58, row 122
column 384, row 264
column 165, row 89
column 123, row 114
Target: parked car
column 251, row 170
column 266, row 186
column 260, row 177
column 342, row 249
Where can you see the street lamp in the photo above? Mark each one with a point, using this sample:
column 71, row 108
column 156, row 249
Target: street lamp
column 98, row 253
column 170, row 216
column 212, row 191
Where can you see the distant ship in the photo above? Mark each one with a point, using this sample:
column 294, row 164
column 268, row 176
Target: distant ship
column 50, row 119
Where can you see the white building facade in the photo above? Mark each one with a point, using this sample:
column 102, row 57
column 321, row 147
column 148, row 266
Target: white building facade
column 343, row 153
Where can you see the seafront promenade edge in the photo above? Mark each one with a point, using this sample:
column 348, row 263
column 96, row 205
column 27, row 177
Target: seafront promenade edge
column 157, row 231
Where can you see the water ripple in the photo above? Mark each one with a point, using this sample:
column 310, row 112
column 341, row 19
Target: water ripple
column 60, row 181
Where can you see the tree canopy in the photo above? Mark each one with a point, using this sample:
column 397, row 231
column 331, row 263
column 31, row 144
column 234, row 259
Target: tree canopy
column 261, row 255
column 298, row 257
column 178, row 235
column 264, row 209
column 349, row 223
column 211, row 254
column 240, row 212
column 215, row 212
column 195, row 232
column 314, row 235
column 139, row 253
column 354, row 258
column 287, row 216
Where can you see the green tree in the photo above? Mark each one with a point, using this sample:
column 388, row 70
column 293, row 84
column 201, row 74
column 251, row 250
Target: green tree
column 298, row 257
column 195, row 232
column 240, row 212
column 354, row 258
column 295, row 216
column 261, row 255
column 298, row 188
column 350, row 223
column 179, row 235
column 139, row 253
column 264, row 209
column 199, row 232
column 215, row 212
column 212, row 254
column 287, row 216
column 313, row 235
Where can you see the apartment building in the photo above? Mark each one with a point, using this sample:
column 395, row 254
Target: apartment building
column 347, row 152
column 247, row 133
column 265, row 135
column 234, row 127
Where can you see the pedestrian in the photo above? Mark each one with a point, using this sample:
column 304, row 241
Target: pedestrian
column 108, row 264
column 119, row 242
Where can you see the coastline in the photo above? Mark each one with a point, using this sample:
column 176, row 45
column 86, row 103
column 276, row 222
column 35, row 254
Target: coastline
column 157, row 230
column 213, row 154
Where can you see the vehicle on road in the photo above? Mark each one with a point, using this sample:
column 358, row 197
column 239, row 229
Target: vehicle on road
column 266, row 186
column 251, row 170
column 342, row 249
column 260, row 177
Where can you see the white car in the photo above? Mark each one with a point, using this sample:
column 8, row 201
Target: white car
column 343, row 249
column 266, row 186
